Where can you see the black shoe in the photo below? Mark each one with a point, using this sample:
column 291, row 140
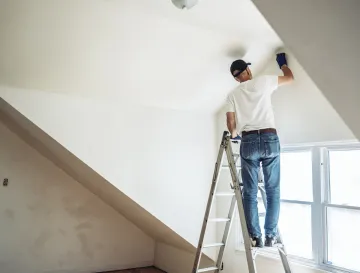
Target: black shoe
column 257, row 242
column 270, row 241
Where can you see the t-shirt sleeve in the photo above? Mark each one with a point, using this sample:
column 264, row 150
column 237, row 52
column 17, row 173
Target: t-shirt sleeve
column 229, row 104
column 266, row 84
column 272, row 83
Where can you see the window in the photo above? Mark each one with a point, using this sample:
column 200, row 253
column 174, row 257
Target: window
column 295, row 227
column 345, row 177
column 343, row 208
column 343, row 237
column 299, row 186
column 320, row 206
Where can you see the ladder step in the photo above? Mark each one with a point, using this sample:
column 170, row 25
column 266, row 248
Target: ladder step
column 219, row 219
column 274, row 247
column 225, row 194
column 213, row 245
column 227, row 166
column 207, row 269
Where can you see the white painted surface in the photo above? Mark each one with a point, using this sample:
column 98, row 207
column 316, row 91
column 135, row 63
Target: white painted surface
column 50, row 223
column 324, row 36
column 302, row 113
column 173, row 260
column 143, row 51
column 162, row 159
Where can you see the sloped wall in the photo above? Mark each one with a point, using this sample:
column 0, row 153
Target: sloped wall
column 302, row 112
column 174, row 260
column 50, row 223
column 324, row 36
column 162, row 159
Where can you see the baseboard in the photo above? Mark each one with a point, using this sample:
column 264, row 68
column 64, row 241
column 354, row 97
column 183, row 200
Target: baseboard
column 93, row 269
column 142, row 267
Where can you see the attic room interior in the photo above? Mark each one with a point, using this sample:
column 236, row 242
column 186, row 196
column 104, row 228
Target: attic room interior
column 112, row 114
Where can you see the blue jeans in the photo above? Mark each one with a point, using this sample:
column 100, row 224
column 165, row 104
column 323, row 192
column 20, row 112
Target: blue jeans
column 264, row 148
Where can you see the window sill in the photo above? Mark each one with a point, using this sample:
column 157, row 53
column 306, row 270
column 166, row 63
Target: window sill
column 273, row 254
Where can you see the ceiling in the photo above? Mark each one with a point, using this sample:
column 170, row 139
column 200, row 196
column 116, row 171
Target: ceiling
column 326, row 44
column 140, row 51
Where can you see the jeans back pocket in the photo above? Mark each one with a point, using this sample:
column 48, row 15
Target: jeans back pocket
column 272, row 148
column 248, row 149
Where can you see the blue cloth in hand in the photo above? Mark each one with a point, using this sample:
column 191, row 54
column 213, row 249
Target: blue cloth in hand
column 281, row 59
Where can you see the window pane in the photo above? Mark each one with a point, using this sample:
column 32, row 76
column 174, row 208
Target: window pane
column 345, row 177
column 343, row 237
column 296, row 176
column 295, row 227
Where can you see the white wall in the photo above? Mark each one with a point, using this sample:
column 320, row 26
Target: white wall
column 302, row 112
column 162, row 159
column 324, row 36
column 50, row 223
column 173, row 260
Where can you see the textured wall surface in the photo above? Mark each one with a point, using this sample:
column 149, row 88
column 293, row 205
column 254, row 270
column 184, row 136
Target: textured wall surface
column 50, row 223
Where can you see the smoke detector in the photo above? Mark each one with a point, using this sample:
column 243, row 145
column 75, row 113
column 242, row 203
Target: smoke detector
column 184, row 4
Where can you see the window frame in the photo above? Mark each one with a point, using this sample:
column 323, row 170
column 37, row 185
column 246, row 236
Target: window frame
column 321, row 201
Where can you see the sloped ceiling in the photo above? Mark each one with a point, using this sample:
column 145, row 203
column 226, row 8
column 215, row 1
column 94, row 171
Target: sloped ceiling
column 324, row 36
column 144, row 51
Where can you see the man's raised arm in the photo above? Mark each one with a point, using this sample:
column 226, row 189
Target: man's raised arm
column 288, row 75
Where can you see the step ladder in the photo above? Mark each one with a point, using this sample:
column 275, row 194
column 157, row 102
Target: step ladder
column 236, row 195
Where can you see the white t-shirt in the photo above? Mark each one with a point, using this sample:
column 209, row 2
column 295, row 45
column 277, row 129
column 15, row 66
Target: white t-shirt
column 251, row 102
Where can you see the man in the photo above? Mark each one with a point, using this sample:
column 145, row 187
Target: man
column 250, row 116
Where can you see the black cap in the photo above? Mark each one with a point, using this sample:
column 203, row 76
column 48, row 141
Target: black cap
column 239, row 65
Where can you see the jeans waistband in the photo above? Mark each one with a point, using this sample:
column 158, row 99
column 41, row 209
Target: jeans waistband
column 260, row 131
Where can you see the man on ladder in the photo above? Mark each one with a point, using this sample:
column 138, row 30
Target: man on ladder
column 250, row 116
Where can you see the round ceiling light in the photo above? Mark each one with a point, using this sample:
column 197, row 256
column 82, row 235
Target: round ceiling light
column 184, row 4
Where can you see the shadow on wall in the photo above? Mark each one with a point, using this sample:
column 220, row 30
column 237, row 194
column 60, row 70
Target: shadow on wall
column 82, row 173
column 302, row 113
column 51, row 223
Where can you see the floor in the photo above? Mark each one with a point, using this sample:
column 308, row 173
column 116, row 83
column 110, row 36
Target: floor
column 139, row 270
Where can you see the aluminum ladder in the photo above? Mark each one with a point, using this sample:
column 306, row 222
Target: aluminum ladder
column 236, row 194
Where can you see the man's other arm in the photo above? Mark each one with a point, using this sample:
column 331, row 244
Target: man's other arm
column 231, row 123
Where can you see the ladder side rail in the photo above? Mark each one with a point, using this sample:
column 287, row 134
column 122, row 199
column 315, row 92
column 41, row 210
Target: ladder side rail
column 281, row 249
column 214, row 183
column 226, row 233
column 236, row 184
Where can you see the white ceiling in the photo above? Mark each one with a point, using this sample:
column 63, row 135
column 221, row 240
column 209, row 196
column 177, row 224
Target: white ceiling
column 326, row 44
column 142, row 51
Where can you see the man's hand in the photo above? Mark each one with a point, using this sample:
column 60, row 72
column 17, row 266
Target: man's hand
column 281, row 59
